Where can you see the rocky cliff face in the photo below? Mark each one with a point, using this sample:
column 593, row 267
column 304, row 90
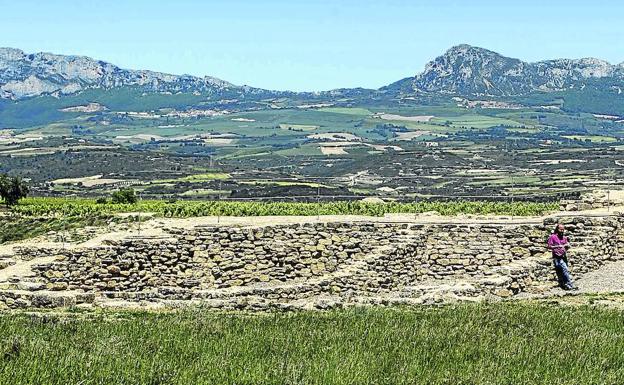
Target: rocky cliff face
column 24, row 75
column 468, row 70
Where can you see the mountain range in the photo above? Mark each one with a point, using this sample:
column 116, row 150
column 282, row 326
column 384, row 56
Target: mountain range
column 463, row 70
column 25, row 75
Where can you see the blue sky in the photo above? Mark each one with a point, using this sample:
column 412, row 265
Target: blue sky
column 309, row 45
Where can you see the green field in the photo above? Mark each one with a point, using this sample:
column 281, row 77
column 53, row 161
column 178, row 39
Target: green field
column 508, row 343
column 349, row 111
column 275, row 123
column 299, row 127
column 88, row 207
column 274, row 138
column 304, row 150
column 592, row 138
column 475, row 121
column 205, row 177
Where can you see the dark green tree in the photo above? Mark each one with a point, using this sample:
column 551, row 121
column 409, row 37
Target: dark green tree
column 12, row 189
column 124, row 195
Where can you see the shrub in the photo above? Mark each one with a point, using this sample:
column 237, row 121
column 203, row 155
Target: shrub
column 125, row 195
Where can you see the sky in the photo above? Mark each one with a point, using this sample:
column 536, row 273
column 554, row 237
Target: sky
column 309, row 45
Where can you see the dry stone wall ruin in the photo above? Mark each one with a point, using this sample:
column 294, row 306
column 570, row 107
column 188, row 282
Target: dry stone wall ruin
column 311, row 265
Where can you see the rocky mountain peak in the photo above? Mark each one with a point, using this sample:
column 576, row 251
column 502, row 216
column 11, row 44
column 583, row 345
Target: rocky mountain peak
column 468, row 50
column 469, row 70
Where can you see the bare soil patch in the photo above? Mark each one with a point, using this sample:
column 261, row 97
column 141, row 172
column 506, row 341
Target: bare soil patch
column 417, row 118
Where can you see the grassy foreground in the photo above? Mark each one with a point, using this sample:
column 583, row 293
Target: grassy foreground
column 466, row 344
column 18, row 227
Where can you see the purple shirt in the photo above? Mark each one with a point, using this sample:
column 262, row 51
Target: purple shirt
column 556, row 244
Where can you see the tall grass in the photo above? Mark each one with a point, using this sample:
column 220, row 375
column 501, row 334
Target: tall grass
column 463, row 344
column 18, row 227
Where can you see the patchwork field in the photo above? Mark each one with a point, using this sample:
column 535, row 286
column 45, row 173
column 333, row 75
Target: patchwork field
column 399, row 146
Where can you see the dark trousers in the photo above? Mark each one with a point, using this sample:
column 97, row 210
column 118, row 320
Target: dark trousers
column 563, row 274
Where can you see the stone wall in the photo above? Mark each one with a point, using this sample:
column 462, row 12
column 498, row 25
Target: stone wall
column 348, row 262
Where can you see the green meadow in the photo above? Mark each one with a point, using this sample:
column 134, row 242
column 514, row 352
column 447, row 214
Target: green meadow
column 505, row 343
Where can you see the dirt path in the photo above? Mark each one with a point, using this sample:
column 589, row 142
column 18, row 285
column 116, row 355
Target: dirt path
column 607, row 279
column 23, row 268
column 603, row 288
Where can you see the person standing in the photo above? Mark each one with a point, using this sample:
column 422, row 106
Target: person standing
column 559, row 244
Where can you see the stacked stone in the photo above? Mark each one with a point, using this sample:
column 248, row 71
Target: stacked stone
column 213, row 258
column 284, row 263
column 128, row 265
